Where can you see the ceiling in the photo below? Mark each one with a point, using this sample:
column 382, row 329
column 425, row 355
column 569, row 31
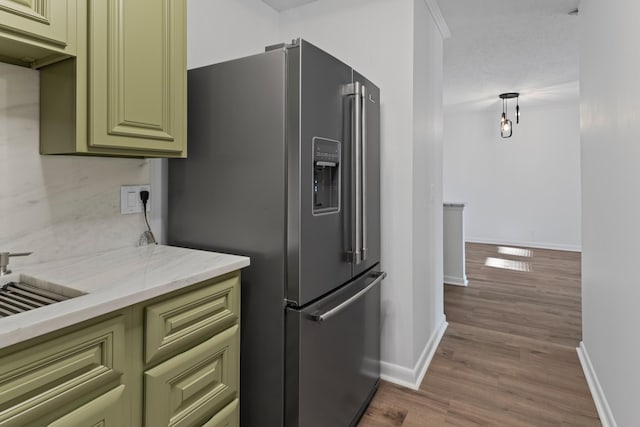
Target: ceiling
column 496, row 46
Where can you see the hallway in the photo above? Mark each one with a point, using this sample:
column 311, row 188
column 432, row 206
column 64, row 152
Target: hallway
column 508, row 357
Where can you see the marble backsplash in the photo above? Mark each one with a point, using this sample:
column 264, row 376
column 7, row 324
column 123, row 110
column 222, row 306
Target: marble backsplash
column 56, row 206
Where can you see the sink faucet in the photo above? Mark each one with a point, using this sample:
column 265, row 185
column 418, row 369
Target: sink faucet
column 4, row 261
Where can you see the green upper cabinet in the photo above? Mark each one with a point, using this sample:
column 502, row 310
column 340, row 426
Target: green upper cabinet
column 137, row 70
column 37, row 32
column 125, row 92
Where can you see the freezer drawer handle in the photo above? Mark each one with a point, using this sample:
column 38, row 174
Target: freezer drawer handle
column 337, row 309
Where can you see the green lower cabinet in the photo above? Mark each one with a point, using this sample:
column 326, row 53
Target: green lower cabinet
column 188, row 389
column 104, row 411
column 227, row 417
column 40, row 383
column 175, row 324
column 95, row 374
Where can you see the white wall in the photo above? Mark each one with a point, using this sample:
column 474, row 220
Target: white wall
column 610, row 122
column 397, row 45
column 56, row 206
column 524, row 190
column 220, row 30
column 428, row 275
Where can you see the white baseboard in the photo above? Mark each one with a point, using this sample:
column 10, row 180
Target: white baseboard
column 539, row 245
column 457, row 281
column 604, row 411
column 412, row 378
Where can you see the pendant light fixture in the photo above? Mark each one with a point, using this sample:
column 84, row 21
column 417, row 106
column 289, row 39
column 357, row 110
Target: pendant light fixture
column 506, row 125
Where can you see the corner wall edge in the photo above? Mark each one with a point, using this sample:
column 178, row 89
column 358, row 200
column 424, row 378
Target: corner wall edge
column 436, row 13
column 599, row 398
column 412, row 378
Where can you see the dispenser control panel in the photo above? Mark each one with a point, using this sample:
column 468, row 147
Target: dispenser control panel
column 326, row 151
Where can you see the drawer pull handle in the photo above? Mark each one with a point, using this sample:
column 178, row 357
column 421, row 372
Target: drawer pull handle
column 337, row 309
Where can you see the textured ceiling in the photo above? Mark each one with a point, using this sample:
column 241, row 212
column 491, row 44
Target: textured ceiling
column 526, row 46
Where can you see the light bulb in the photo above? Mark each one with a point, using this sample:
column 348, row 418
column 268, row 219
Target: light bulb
column 506, row 129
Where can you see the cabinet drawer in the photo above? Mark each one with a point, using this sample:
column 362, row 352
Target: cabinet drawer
column 227, row 417
column 67, row 371
column 104, row 411
column 187, row 319
column 189, row 388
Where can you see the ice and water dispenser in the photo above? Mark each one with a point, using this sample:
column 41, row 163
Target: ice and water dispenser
column 326, row 176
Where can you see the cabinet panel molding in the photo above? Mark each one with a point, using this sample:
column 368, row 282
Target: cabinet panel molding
column 190, row 388
column 36, row 10
column 104, row 411
column 227, row 417
column 124, row 93
column 134, row 77
column 40, row 379
column 43, row 20
column 184, row 320
column 137, row 74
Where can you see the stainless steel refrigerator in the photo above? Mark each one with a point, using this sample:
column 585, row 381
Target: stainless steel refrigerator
column 284, row 166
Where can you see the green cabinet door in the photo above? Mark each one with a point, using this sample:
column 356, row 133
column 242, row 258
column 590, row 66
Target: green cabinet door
column 185, row 320
column 34, row 32
column 137, row 75
column 104, row 411
column 42, row 382
column 44, row 20
column 188, row 389
column 124, row 94
column 93, row 374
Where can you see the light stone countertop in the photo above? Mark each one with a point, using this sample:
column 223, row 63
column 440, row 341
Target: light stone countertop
column 111, row 281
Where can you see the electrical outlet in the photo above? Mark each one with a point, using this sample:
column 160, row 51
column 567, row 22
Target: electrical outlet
column 130, row 202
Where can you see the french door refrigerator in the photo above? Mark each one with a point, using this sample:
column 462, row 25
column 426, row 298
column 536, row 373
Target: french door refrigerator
column 284, row 166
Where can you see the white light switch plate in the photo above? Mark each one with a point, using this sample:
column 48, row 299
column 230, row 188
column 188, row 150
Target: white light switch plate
column 130, row 202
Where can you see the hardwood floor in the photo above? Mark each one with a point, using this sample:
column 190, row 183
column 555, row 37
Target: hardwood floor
column 508, row 357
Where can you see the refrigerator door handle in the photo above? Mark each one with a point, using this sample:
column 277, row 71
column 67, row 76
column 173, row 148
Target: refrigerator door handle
column 355, row 251
column 380, row 275
column 358, row 177
column 363, row 157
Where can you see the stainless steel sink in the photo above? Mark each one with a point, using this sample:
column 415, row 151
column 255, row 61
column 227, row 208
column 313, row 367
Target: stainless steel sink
column 17, row 297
